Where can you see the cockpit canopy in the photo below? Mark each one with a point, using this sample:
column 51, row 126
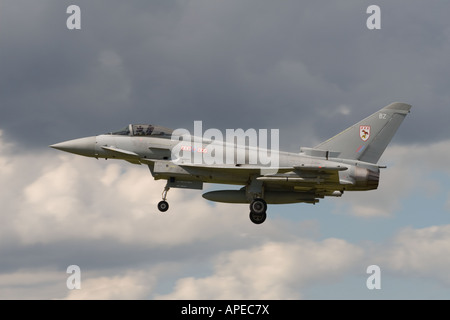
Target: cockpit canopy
column 144, row 130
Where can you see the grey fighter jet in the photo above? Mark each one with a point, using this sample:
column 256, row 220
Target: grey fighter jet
column 345, row 162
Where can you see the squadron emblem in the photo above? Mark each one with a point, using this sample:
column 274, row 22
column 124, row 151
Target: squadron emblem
column 364, row 132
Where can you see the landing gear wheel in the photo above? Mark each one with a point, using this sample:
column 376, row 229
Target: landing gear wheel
column 163, row 206
column 258, row 206
column 258, row 209
column 257, row 218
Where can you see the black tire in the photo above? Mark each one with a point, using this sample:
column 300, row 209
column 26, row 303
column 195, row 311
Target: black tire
column 258, row 206
column 163, row 206
column 258, row 218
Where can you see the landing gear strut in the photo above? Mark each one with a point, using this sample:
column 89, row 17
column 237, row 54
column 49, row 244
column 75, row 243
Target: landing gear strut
column 163, row 205
column 258, row 208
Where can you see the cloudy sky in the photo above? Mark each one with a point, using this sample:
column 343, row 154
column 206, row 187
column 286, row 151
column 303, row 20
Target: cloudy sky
column 307, row 68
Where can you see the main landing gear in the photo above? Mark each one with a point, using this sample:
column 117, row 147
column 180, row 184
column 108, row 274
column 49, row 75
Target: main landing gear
column 163, row 205
column 258, row 208
column 254, row 191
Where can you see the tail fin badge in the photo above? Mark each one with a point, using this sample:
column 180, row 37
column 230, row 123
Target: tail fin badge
column 364, row 132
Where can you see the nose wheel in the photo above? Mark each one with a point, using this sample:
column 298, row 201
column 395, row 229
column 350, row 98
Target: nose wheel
column 163, row 205
column 258, row 208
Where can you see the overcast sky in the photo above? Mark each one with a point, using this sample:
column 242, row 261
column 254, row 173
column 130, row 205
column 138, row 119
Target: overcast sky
column 307, row 68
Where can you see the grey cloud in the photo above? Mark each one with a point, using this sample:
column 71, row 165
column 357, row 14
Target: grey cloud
column 231, row 64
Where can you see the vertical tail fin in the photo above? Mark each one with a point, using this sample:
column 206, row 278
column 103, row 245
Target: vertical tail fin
column 367, row 139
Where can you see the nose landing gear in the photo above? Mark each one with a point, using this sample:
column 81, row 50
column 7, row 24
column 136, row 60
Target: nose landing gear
column 163, row 205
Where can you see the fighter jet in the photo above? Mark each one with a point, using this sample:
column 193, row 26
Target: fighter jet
column 345, row 162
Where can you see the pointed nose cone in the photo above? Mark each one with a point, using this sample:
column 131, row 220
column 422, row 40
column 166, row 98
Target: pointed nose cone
column 83, row 146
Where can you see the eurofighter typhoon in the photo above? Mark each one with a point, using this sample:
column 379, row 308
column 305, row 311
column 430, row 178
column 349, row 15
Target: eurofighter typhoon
column 345, row 162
